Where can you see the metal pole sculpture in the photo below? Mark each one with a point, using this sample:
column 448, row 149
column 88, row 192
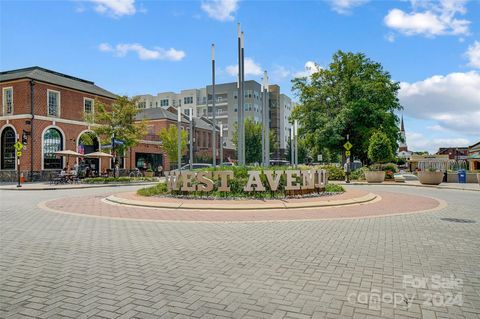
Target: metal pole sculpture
column 292, row 148
column 242, row 86
column 214, row 129
column 265, row 122
column 191, row 137
column 179, row 139
column 240, row 97
column 295, row 123
column 221, row 144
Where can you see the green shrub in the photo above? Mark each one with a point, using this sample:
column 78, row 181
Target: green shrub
column 160, row 188
column 335, row 173
column 379, row 148
column 358, row 174
column 334, row 188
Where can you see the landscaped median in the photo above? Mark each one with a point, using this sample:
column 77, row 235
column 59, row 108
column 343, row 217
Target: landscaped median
column 244, row 182
column 118, row 180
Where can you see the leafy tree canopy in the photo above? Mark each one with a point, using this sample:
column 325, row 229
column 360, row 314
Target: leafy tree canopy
column 117, row 119
column 169, row 137
column 353, row 95
column 253, row 140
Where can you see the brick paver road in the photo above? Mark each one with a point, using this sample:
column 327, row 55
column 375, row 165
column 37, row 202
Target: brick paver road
column 65, row 266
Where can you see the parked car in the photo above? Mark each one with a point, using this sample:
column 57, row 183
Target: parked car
column 195, row 166
column 228, row 164
column 279, row 163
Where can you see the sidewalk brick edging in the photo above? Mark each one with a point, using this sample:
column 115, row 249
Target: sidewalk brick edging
column 195, row 205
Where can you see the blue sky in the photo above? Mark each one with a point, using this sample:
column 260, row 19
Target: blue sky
column 137, row 47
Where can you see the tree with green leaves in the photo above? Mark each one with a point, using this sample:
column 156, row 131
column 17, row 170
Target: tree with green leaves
column 253, row 141
column 379, row 148
column 117, row 120
column 353, row 95
column 169, row 138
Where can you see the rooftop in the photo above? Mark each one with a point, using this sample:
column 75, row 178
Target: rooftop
column 52, row 77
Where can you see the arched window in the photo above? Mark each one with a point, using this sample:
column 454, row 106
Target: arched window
column 52, row 142
column 7, row 149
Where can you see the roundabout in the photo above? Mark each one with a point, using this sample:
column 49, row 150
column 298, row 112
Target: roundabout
column 355, row 203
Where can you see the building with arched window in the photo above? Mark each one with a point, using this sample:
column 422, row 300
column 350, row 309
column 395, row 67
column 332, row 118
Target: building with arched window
column 46, row 110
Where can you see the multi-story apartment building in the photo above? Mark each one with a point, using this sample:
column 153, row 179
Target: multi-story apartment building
column 226, row 104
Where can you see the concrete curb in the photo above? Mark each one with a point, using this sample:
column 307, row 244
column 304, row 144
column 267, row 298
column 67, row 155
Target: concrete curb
column 80, row 186
column 412, row 185
column 277, row 204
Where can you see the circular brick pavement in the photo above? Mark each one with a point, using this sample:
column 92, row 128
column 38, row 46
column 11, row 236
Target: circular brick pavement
column 388, row 203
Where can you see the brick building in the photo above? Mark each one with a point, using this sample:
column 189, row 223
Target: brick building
column 46, row 109
column 149, row 153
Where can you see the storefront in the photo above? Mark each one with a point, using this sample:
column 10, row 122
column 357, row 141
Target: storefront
column 144, row 161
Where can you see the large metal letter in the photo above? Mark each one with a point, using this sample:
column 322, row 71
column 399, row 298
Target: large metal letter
column 273, row 181
column 254, row 179
column 291, row 179
column 223, row 175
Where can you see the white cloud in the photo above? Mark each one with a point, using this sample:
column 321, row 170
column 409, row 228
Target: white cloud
column 430, row 18
column 115, row 8
column 280, row 72
column 452, row 101
column 418, row 142
column 121, row 50
column 221, row 10
column 473, row 54
column 346, row 6
column 310, row 68
column 251, row 68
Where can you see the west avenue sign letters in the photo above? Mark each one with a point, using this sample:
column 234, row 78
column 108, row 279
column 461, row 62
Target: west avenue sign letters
column 191, row 181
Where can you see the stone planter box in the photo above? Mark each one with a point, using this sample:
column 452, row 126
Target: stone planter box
column 453, row 178
column 375, row 176
column 430, row 178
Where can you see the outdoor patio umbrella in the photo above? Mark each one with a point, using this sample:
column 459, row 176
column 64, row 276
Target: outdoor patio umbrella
column 68, row 153
column 98, row 155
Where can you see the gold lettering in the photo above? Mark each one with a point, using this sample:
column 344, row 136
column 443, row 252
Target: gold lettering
column 205, row 181
column 273, row 182
column 291, row 179
column 254, row 179
column 223, row 175
column 187, row 180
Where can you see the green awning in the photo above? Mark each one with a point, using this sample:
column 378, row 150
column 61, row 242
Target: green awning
column 474, row 156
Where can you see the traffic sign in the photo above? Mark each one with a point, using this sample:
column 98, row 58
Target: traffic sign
column 18, row 146
column 19, row 153
column 319, row 157
column 347, row 145
column 347, row 153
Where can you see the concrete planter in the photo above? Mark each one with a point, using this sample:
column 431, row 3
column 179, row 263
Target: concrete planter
column 375, row 176
column 430, row 178
column 478, row 178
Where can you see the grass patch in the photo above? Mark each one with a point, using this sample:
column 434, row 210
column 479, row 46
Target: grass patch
column 159, row 189
column 334, row 188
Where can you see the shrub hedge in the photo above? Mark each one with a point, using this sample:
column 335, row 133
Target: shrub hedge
column 112, row 180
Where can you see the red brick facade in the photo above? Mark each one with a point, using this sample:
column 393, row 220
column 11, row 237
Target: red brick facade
column 70, row 123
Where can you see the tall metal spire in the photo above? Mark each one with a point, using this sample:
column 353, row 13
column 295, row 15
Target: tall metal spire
column 402, row 128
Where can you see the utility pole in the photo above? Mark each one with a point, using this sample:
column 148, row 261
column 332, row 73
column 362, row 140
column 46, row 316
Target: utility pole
column 179, row 139
column 292, row 148
column 214, row 129
column 190, row 112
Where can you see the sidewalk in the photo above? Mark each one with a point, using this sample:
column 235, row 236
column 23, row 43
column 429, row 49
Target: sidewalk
column 457, row 186
column 43, row 186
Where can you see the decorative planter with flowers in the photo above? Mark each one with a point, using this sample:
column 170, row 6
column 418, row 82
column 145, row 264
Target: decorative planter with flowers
column 431, row 177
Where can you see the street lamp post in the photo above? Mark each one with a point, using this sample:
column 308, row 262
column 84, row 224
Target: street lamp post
column 292, row 147
column 190, row 113
column 242, row 123
column 214, row 129
column 179, row 138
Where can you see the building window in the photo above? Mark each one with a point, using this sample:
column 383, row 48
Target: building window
column 53, row 103
column 8, row 150
column 8, row 101
column 164, row 102
column 88, row 106
column 188, row 100
column 142, row 105
column 52, row 142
